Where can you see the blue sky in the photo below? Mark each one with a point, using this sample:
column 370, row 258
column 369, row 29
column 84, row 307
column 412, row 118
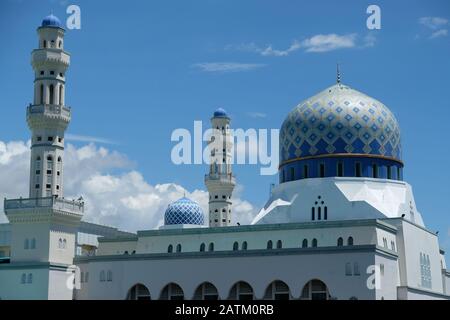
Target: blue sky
column 141, row 69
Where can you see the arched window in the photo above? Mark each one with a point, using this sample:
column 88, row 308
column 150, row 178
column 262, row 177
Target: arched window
column 305, row 171
column 292, row 171
column 102, row 276
column 202, row 247
column 33, row 244
column 23, row 279
column 313, row 213
column 279, row 244
column 172, row 291
column 178, row 247
column 206, row 291
column 244, row 245
column 389, row 172
column 64, row 244
column 315, row 290
column 41, row 94
column 277, row 290
column 45, row 44
column 325, row 213
column 26, row 244
column 340, row 242
column 235, row 246
column 350, row 241
column 59, row 44
column 269, row 244
column 305, row 243
column 138, row 292
column 60, row 94
column 109, row 276
column 319, row 213
column 170, row 248
column 314, row 243
column 211, row 246
column 52, row 94
column 30, row 278
column 241, row 291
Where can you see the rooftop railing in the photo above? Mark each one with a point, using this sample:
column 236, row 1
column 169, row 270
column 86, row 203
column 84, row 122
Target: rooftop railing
column 74, row 206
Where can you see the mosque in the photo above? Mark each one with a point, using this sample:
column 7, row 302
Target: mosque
column 341, row 224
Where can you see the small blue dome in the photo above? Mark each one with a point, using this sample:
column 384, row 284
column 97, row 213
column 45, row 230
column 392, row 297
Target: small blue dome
column 51, row 21
column 184, row 211
column 220, row 113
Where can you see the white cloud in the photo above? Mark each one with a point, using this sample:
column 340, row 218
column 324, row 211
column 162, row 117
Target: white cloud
column 256, row 114
column 114, row 193
column 223, row 67
column 433, row 22
column 316, row 43
column 437, row 25
column 269, row 51
column 329, row 42
column 82, row 138
column 439, row 33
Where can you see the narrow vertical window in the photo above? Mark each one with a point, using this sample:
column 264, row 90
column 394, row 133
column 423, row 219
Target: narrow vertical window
column 305, row 171
column 340, row 169
column 358, row 172
column 41, row 94
column 375, row 171
column 269, row 244
column 313, row 213
column 314, row 243
column 279, row 244
column 389, row 172
column 60, row 94
column 319, row 213
column 325, row 213
column 322, row 170
column 292, row 174
column 52, row 94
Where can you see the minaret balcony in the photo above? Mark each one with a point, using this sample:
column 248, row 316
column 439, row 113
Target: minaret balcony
column 223, row 178
column 60, row 204
column 43, row 56
column 50, row 110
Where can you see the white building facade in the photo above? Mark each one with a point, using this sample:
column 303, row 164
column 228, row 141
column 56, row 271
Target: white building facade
column 341, row 223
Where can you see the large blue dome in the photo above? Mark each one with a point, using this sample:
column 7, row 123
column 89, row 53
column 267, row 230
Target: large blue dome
column 184, row 211
column 51, row 21
column 343, row 123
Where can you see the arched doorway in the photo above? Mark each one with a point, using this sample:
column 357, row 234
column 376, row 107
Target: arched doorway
column 206, row 291
column 315, row 290
column 241, row 291
column 138, row 292
column 277, row 290
column 172, row 291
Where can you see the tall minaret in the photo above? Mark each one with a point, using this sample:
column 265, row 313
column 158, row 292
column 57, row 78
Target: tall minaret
column 220, row 180
column 48, row 116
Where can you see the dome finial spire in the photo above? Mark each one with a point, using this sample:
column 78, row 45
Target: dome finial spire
column 338, row 74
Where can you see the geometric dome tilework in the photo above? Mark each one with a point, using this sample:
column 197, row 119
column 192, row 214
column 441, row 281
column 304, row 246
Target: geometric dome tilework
column 340, row 120
column 184, row 211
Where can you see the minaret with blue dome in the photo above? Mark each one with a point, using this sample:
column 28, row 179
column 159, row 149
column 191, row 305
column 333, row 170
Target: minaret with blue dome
column 48, row 115
column 220, row 181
